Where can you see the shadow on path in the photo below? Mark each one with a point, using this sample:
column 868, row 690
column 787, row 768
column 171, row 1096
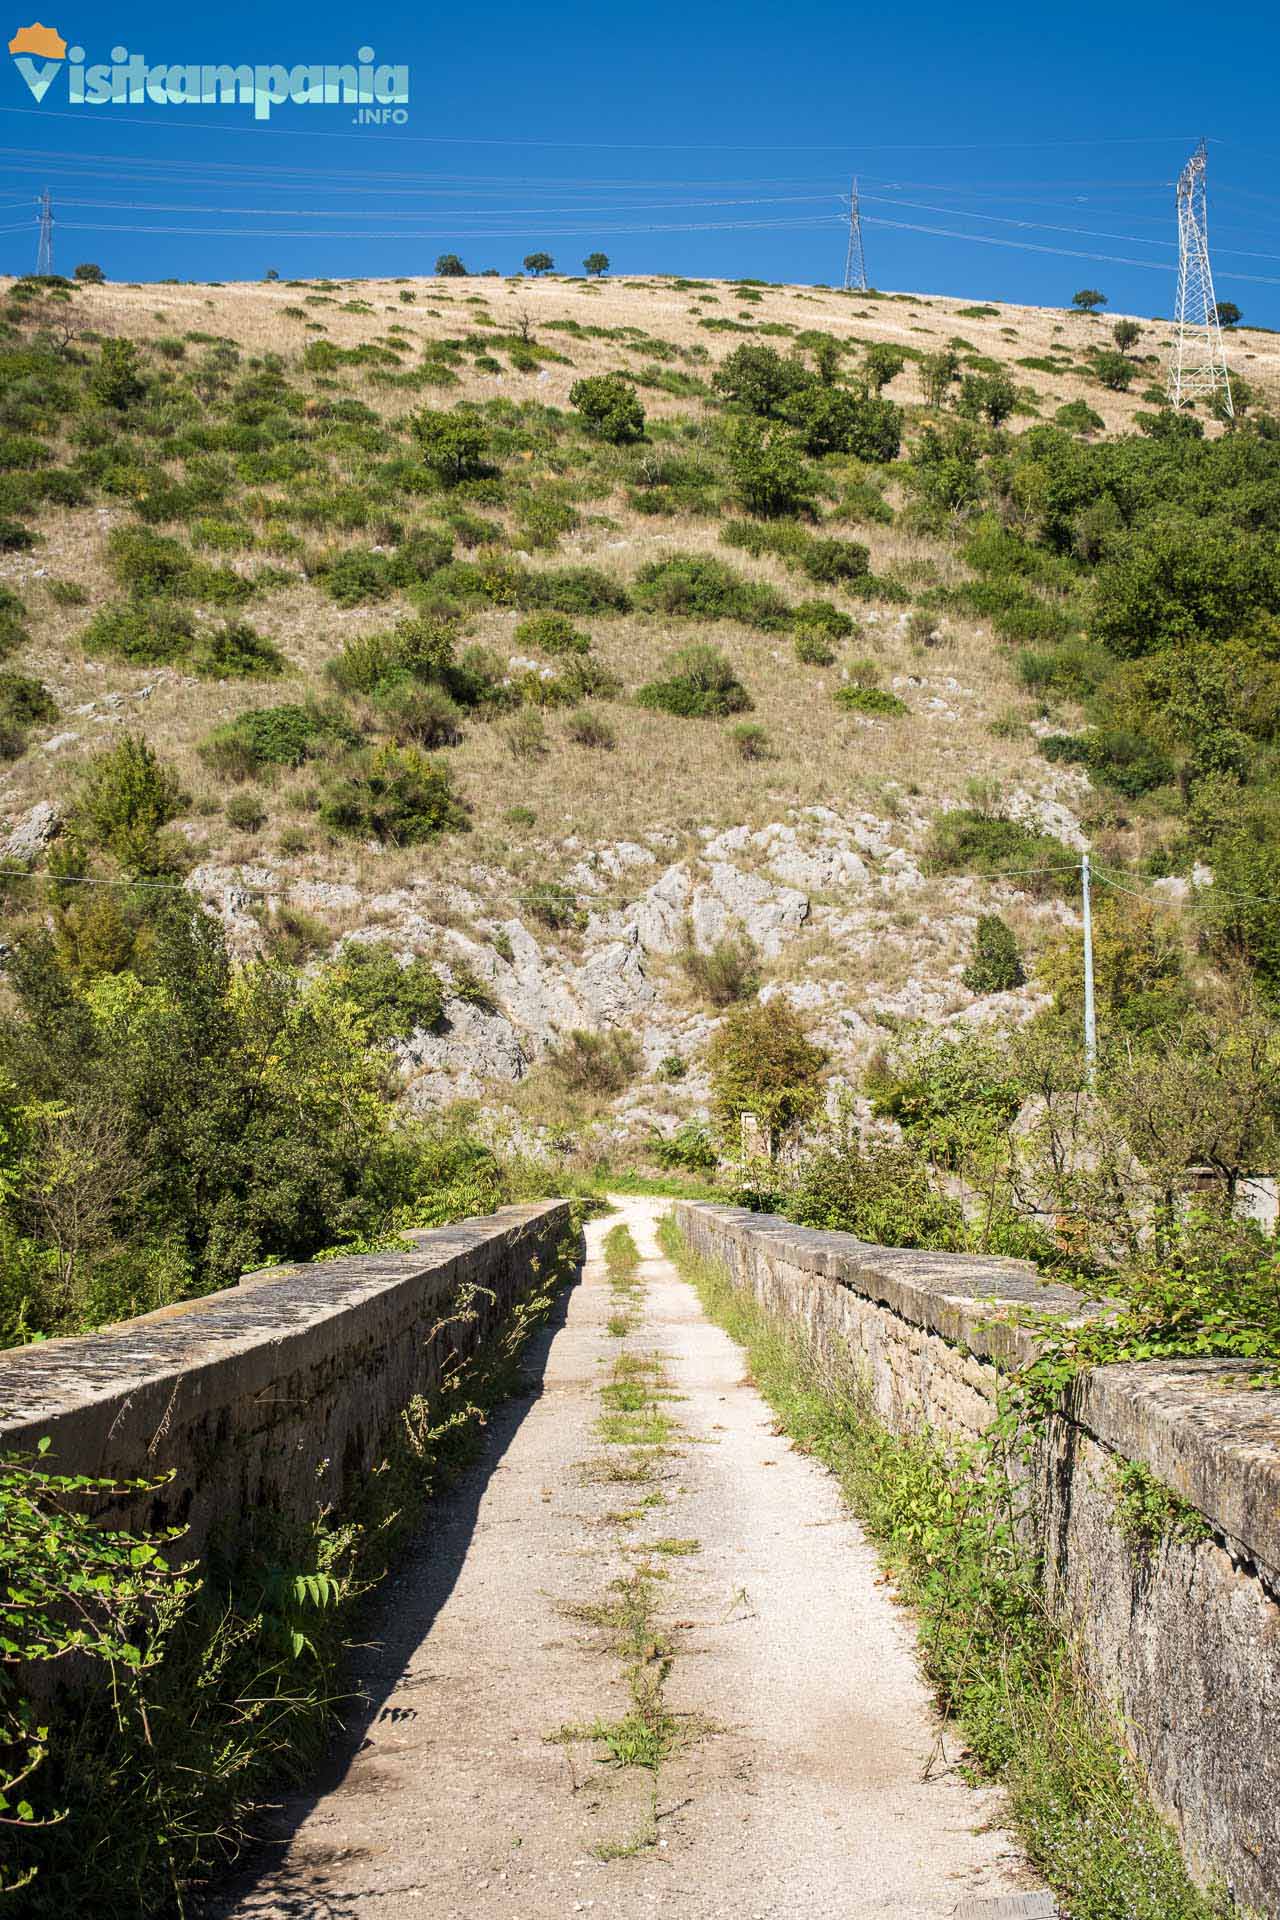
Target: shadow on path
column 400, row 1617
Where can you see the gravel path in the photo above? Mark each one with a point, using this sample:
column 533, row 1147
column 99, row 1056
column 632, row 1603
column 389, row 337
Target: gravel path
column 798, row 1788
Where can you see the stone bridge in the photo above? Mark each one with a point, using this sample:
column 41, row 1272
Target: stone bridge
column 495, row 1761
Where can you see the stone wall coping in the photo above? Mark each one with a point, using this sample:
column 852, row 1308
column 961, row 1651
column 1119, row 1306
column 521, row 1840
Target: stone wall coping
column 1198, row 1425
column 241, row 1328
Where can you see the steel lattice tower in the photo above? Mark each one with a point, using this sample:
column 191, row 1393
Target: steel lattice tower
column 855, row 267
column 44, row 256
column 1198, row 367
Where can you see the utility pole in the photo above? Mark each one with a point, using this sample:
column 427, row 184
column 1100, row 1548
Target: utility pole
column 855, row 268
column 44, row 255
column 1090, row 1021
column 1198, row 367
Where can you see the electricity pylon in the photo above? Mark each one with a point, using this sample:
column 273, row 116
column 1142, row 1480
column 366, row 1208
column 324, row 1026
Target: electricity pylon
column 44, row 255
column 855, row 267
column 1198, row 367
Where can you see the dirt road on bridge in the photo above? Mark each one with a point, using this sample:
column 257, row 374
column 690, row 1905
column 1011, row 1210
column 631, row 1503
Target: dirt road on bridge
column 639, row 1569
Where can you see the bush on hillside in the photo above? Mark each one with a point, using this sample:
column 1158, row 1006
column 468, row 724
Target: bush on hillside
column 968, row 840
column 768, row 473
column 126, row 796
column 610, row 406
column 265, row 738
column 396, row 795
column 394, row 999
column 995, row 965
column 699, row 683
column 696, row 586
column 724, row 974
column 762, row 1063
column 552, row 633
column 601, row 1064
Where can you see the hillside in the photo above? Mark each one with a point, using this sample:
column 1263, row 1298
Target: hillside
column 200, row 529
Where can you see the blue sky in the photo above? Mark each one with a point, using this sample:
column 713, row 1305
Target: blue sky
column 996, row 150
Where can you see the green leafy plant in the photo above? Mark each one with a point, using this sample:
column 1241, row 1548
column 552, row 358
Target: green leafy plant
column 699, row 683
column 995, row 965
column 761, row 1062
column 609, row 404
column 397, row 795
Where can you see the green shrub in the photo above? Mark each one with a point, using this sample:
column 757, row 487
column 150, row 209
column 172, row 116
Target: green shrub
column 146, row 633
column 882, row 363
column 759, row 379
column 690, row 1149
column 577, row 590
column 588, row 729
column 768, row 473
column 995, row 966
column 870, row 700
column 833, row 420
column 552, row 633
column 152, row 565
column 1114, row 370
column 881, row 1192
column 553, row 905
column 751, row 742
column 699, row 683
column 358, row 577
column 396, row 795
column 394, row 999
column 452, row 444
column 237, row 651
column 270, row 737
column 245, row 811
column 671, row 483
column 527, row 736
column 812, row 648
column 762, row 1063
column 987, row 396
column 419, row 713
column 126, row 796
column 611, row 407
column 15, row 538
column 785, row 538
column 1115, row 757
column 833, row 560
column 115, row 378
column 421, row 648
column 1077, row 416
column 601, row 1064
column 13, row 622
column 724, row 974
column 695, row 586
column 25, row 702
column 582, row 679
column 293, row 935
column 1075, row 669
column 969, row 841
column 1176, row 580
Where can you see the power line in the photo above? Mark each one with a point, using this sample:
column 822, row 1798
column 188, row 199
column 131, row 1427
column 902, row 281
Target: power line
column 638, row 146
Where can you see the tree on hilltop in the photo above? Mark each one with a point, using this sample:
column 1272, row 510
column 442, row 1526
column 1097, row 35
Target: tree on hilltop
column 596, row 263
column 1088, row 300
column 537, row 263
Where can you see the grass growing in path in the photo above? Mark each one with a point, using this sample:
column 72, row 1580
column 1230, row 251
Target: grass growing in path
column 999, row 1665
column 637, row 1433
